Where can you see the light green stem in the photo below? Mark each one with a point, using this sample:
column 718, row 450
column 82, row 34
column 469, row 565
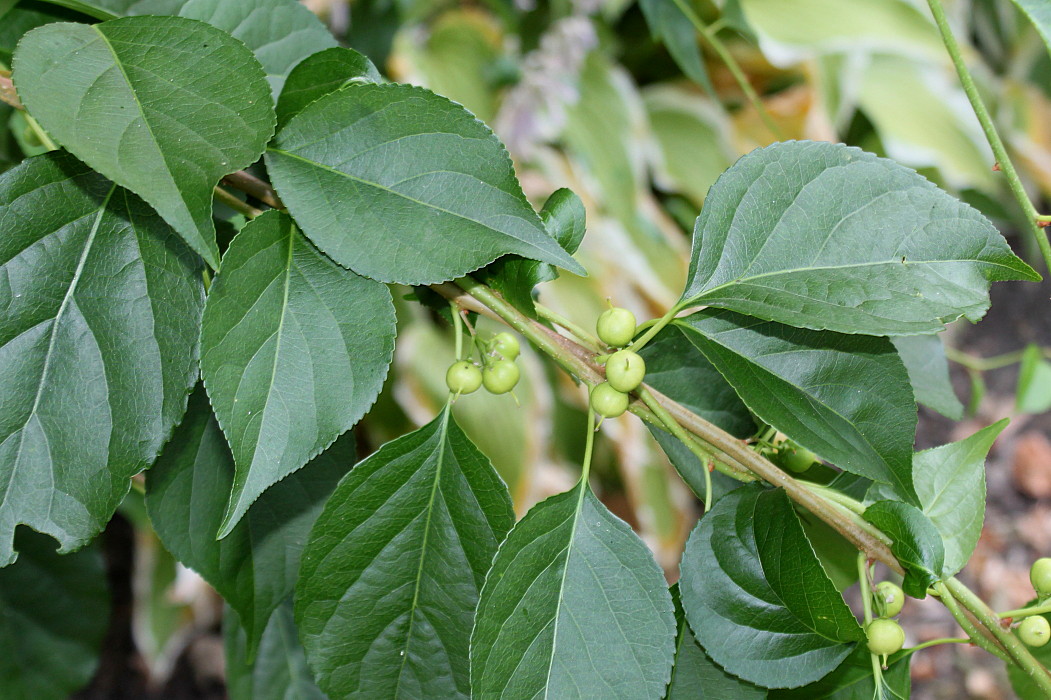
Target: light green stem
column 656, row 327
column 1026, row 612
column 991, row 135
column 936, row 642
column 677, row 430
column 982, row 640
column 236, row 204
column 586, row 339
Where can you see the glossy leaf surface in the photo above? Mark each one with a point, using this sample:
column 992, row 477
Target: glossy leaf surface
column 916, row 543
column 320, row 74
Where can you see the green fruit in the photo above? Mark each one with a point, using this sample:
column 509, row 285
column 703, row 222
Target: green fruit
column 885, row 637
column 1040, row 575
column 463, row 377
column 500, row 377
column 625, row 370
column 616, row 327
column 891, row 598
column 1035, row 631
column 505, row 345
column 797, row 459
column 607, row 401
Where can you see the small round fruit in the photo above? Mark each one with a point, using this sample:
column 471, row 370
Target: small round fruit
column 463, row 377
column 625, row 370
column 1035, row 631
column 885, row 637
column 891, row 598
column 505, row 345
column 500, row 377
column 1040, row 575
column 607, row 401
column 797, row 459
column 616, row 327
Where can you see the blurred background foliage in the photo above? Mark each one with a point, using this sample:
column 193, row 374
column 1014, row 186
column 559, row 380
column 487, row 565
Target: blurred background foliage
column 585, row 97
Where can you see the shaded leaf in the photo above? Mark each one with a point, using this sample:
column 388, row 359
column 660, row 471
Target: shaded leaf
column 279, row 671
column 670, row 26
column 825, row 236
column 320, row 74
column 89, row 273
column 741, row 588
column 255, row 567
column 280, row 33
column 924, row 358
column 845, row 397
column 294, row 351
column 1034, row 382
column 950, row 483
column 390, row 579
column 853, row 680
column 574, row 606
column 54, row 612
column 916, row 543
column 164, row 106
column 1039, row 13
column 402, row 185
column 112, row 9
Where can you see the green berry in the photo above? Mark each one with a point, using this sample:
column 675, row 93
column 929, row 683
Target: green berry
column 625, row 370
column 505, row 345
column 616, row 327
column 607, row 401
column 797, row 459
column 1035, row 631
column 885, row 637
column 1040, row 575
column 463, row 377
column 500, row 377
column 891, row 598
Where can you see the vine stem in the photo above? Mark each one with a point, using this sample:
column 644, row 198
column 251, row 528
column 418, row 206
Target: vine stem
column 981, row 640
column 236, row 204
column 936, row 642
column 1018, row 652
column 710, row 34
column 1003, row 159
column 656, row 327
column 1026, row 612
column 677, row 430
column 581, row 335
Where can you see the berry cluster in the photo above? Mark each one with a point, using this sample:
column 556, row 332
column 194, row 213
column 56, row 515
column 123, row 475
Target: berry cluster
column 625, row 369
column 499, row 373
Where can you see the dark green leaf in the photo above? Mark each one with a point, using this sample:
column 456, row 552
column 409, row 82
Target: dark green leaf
column 845, row 397
column 1034, row 382
column 280, row 33
column 924, row 358
column 164, row 106
column 574, row 607
column 756, row 596
column 98, row 346
column 853, row 680
column 295, row 350
column 950, row 483
column 824, row 236
column 19, row 20
column 402, row 185
column 390, row 579
column 320, row 74
column 54, row 611
column 514, row 276
column 677, row 369
column 695, row 676
column 255, row 567
column 279, row 671
column 917, row 544
column 669, row 25
column 112, row 9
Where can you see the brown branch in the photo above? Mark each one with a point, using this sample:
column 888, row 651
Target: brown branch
column 254, row 187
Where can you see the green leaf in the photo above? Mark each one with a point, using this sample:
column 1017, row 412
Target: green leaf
column 54, row 612
column 390, row 578
column 90, row 273
column 853, row 680
column 924, row 358
column 847, row 398
column 320, row 74
column 255, row 567
column 695, row 675
column 164, row 106
column 1034, row 382
column 294, row 351
column 514, row 276
column 676, row 368
column 670, row 26
column 112, row 9
column 574, row 607
column 825, row 236
column 756, row 596
column 950, row 483
column 16, row 21
column 279, row 671
column 917, row 544
column 401, row 185
column 280, row 33
column 1039, row 13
